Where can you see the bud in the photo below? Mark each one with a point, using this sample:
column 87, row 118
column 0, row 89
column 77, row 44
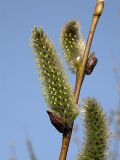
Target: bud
column 91, row 63
column 99, row 8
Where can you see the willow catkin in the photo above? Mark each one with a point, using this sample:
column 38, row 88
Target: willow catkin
column 73, row 44
column 56, row 88
column 96, row 132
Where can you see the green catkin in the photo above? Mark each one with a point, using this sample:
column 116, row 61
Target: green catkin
column 56, row 88
column 73, row 44
column 96, row 132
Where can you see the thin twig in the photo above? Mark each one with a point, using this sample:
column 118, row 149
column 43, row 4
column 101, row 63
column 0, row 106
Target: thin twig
column 80, row 74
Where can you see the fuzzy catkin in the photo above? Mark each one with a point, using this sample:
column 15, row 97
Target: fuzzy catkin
column 56, row 88
column 73, row 44
column 96, row 132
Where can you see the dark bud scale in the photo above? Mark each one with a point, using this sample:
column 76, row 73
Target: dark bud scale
column 57, row 122
column 91, row 63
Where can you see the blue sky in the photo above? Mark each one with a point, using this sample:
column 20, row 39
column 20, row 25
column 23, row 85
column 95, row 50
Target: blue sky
column 21, row 101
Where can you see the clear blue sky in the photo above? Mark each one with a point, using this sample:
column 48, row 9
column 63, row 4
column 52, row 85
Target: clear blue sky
column 21, row 102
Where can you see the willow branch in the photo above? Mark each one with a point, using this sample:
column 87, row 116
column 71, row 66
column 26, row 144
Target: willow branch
column 80, row 74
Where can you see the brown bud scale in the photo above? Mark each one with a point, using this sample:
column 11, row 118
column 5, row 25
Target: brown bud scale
column 91, row 63
column 57, row 122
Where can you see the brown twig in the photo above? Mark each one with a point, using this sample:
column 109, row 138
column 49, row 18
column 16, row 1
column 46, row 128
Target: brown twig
column 80, row 74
